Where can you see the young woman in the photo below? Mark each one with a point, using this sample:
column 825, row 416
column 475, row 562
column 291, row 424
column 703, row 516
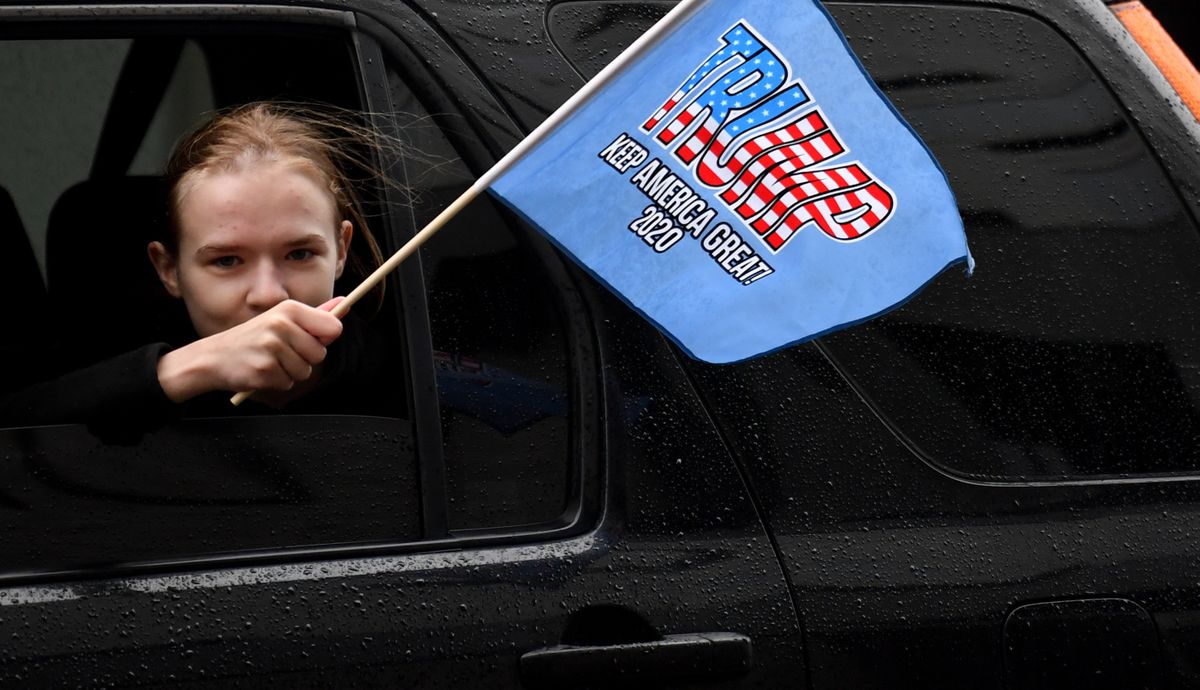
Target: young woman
column 261, row 217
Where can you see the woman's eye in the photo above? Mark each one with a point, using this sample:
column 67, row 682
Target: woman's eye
column 300, row 254
column 226, row 261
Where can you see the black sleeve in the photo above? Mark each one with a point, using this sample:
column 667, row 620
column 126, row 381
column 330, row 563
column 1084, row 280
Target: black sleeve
column 117, row 396
column 361, row 376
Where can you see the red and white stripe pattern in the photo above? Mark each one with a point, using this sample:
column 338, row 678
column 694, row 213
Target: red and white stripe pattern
column 771, row 198
column 711, row 172
column 842, row 216
column 777, row 165
column 680, row 123
column 662, row 112
column 846, row 216
column 699, row 140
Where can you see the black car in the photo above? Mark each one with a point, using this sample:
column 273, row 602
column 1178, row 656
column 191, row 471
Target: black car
column 993, row 486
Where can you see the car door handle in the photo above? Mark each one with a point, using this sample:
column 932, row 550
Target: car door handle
column 674, row 657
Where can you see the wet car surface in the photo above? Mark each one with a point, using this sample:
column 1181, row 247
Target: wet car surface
column 992, row 487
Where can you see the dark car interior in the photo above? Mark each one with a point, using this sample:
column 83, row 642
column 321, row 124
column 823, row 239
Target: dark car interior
column 90, row 293
column 100, row 297
column 100, row 288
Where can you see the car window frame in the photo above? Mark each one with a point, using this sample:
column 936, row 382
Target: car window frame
column 374, row 45
column 491, row 132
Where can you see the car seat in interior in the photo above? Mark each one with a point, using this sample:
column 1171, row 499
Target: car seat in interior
column 102, row 288
column 23, row 347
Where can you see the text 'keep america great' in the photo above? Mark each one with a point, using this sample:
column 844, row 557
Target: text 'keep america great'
column 678, row 211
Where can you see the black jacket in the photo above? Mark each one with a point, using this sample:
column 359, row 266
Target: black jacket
column 121, row 396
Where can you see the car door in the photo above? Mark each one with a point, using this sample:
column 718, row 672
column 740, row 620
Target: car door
column 994, row 485
column 547, row 504
column 1008, row 461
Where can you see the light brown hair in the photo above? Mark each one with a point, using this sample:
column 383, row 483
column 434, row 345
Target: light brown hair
column 327, row 145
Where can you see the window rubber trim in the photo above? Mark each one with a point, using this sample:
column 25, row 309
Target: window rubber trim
column 585, row 490
column 409, row 282
column 140, row 14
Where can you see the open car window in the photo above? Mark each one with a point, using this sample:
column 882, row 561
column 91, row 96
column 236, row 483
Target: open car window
column 80, row 196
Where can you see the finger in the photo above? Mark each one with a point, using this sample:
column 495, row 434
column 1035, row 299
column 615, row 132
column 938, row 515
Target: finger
column 320, row 324
column 267, row 373
column 292, row 364
column 328, row 306
column 304, row 344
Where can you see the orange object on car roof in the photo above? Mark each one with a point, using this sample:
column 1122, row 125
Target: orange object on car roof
column 1162, row 49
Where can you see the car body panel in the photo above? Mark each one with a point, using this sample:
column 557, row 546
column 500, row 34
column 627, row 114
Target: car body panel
column 775, row 499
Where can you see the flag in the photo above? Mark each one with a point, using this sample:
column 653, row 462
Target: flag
column 740, row 181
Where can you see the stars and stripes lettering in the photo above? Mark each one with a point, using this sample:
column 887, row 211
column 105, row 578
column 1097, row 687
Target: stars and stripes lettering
column 843, row 202
column 730, row 179
column 777, row 192
column 748, row 130
column 738, row 46
column 795, row 146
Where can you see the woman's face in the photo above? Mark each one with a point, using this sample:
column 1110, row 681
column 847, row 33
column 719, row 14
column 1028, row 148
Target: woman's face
column 251, row 239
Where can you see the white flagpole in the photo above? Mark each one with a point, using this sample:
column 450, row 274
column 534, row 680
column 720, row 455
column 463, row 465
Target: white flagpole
column 662, row 27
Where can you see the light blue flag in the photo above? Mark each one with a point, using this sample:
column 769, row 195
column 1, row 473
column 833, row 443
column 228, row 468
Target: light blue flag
column 740, row 181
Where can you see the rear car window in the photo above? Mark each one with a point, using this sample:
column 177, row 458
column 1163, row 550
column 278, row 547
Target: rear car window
column 1074, row 351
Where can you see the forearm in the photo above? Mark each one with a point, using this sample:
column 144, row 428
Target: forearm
column 185, row 373
column 123, row 390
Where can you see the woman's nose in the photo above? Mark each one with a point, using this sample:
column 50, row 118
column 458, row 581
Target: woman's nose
column 266, row 288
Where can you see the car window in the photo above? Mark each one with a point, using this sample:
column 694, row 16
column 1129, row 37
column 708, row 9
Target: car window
column 188, row 95
column 53, row 105
column 80, row 166
column 499, row 337
column 1072, row 352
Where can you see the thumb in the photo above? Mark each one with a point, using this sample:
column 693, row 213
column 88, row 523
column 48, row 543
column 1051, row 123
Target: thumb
column 331, row 304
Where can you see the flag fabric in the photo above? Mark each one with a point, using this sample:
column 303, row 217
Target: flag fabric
column 742, row 183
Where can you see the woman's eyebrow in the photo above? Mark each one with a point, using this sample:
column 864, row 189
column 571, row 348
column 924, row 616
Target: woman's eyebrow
column 219, row 249
column 232, row 248
column 311, row 238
